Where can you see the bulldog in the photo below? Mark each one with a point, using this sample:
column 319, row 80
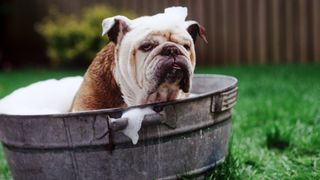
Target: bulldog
column 150, row 59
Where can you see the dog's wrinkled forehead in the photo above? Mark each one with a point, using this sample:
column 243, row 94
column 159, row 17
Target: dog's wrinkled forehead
column 172, row 18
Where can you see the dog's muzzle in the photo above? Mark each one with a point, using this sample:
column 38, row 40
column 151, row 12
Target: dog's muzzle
column 174, row 68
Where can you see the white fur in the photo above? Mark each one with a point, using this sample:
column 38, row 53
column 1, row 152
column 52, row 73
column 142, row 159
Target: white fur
column 43, row 97
column 136, row 82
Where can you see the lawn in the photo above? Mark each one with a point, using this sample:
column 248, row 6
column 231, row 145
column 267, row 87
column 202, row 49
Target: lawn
column 276, row 122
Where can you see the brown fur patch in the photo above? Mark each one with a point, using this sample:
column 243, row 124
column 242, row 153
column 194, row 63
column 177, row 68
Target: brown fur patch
column 133, row 65
column 99, row 89
column 167, row 35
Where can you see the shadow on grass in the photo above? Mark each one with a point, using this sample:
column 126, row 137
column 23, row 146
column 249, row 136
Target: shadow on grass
column 275, row 140
column 4, row 170
column 226, row 170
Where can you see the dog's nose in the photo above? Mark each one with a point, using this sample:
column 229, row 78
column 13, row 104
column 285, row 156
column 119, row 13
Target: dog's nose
column 170, row 51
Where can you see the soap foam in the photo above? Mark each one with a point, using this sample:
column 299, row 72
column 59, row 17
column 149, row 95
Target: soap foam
column 135, row 117
column 172, row 16
column 44, row 97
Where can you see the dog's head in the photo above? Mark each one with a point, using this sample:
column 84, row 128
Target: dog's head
column 155, row 55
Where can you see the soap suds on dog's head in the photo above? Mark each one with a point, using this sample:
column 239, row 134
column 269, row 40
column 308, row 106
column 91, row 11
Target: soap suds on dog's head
column 135, row 117
column 172, row 16
column 43, row 97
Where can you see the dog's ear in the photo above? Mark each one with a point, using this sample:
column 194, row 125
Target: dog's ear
column 195, row 29
column 115, row 27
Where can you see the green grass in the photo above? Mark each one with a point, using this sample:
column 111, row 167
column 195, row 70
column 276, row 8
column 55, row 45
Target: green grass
column 4, row 171
column 276, row 122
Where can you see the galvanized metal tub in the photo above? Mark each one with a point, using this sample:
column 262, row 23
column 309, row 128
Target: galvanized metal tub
column 185, row 137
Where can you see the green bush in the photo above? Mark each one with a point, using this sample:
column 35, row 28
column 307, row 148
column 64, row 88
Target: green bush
column 74, row 41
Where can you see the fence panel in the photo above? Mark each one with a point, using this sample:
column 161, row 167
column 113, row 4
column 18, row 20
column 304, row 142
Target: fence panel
column 239, row 31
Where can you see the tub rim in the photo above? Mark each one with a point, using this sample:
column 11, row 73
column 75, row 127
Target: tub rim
column 123, row 109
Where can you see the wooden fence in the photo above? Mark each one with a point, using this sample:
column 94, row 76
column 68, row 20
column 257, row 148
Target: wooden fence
column 249, row 31
column 238, row 31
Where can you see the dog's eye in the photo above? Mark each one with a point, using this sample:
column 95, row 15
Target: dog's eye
column 187, row 47
column 147, row 47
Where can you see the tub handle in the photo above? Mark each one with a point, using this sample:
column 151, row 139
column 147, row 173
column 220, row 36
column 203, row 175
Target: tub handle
column 167, row 117
column 224, row 101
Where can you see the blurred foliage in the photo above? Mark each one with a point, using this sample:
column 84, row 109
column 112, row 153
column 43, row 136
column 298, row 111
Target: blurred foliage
column 74, row 41
column 5, row 8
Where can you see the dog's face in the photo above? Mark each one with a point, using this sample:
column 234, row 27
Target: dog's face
column 153, row 63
